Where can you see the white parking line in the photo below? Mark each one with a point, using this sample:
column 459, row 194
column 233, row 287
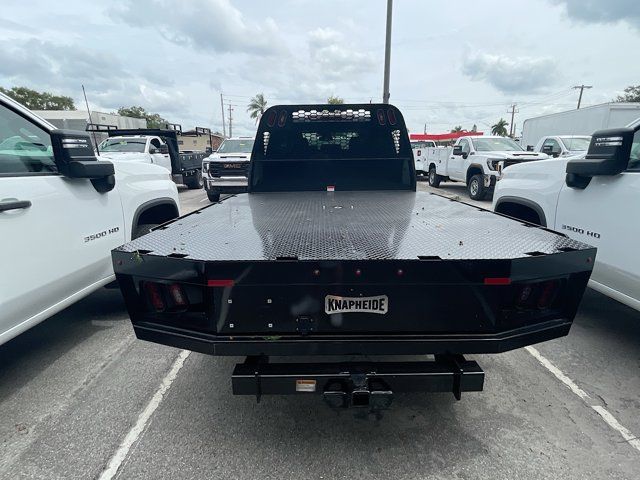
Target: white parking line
column 123, row 450
column 584, row 396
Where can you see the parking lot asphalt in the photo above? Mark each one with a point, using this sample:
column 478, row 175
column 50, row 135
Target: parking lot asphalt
column 82, row 398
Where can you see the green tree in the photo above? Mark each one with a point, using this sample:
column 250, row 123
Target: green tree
column 34, row 100
column 500, row 128
column 257, row 106
column 456, row 129
column 334, row 100
column 631, row 94
column 154, row 120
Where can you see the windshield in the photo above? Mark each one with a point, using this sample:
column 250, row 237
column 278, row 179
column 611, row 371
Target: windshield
column 236, row 146
column 123, row 145
column 576, row 143
column 501, row 144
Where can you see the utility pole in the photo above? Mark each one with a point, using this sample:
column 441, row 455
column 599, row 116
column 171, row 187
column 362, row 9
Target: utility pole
column 230, row 120
column 224, row 129
column 387, row 54
column 513, row 112
column 581, row 87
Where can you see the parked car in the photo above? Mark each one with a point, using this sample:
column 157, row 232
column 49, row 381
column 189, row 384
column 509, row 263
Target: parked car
column 61, row 212
column 478, row 161
column 226, row 170
column 593, row 198
column 563, row 145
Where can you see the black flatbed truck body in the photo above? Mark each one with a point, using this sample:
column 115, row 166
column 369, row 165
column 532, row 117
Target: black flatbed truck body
column 267, row 274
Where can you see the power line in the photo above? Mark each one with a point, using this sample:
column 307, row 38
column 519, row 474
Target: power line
column 581, row 87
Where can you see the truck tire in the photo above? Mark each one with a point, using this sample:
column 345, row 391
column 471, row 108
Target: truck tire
column 477, row 190
column 194, row 181
column 434, row 178
column 213, row 197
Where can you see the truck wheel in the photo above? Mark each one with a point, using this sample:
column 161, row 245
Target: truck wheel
column 194, row 181
column 213, row 197
column 434, row 178
column 477, row 190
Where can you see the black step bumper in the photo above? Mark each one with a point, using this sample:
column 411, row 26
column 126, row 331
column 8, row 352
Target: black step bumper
column 449, row 343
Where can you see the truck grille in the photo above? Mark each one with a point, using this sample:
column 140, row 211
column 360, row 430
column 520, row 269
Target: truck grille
column 229, row 169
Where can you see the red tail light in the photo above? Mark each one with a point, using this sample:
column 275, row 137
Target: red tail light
column 178, row 296
column 271, row 120
column 548, row 293
column 282, row 119
column 154, row 296
column 391, row 115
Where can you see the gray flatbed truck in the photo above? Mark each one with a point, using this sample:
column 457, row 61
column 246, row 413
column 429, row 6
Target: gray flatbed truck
column 334, row 252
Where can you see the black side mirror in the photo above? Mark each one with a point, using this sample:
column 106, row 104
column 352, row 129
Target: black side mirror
column 529, row 148
column 608, row 154
column 164, row 149
column 548, row 149
column 457, row 150
column 75, row 158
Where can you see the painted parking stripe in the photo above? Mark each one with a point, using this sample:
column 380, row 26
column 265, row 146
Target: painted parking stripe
column 123, row 450
column 584, row 396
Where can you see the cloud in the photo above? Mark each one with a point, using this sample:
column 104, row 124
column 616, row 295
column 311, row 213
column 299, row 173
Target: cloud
column 603, row 11
column 57, row 65
column 511, row 74
column 209, row 25
column 335, row 57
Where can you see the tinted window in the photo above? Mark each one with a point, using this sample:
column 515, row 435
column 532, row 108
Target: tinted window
column 577, row 143
column 634, row 161
column 465, row 146
column 24, row 147
column 155, row 143
column 123, row 145
column 236, row 146
column 550, row 142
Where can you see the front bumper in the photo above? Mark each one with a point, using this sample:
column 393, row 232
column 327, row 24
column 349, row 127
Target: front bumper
column 226, row 184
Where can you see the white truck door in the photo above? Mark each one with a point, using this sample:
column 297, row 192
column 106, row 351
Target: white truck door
column 457, row 162
column 605, row 215
column 156, row 146
column 56, row 232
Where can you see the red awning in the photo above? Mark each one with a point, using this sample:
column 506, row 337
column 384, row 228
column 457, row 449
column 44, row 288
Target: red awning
column 441, row 137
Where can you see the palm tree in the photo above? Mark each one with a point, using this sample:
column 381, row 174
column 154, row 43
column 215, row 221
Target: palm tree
column 333, row 100
column 500, row 128
column 456, row 129
column 257, row 106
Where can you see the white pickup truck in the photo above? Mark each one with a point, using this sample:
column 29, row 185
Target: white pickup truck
column 563, row 145
column 154, row 146
column 62, row 211
column 478, row 161
column 594, row 198
column 227, row 169
column 419, row 149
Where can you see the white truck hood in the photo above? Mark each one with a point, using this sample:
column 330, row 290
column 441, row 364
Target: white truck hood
column 518, row 156
column 225, row 157
column 124, row 157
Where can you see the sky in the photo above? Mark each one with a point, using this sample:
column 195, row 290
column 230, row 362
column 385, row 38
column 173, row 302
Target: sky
column 452, row 63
